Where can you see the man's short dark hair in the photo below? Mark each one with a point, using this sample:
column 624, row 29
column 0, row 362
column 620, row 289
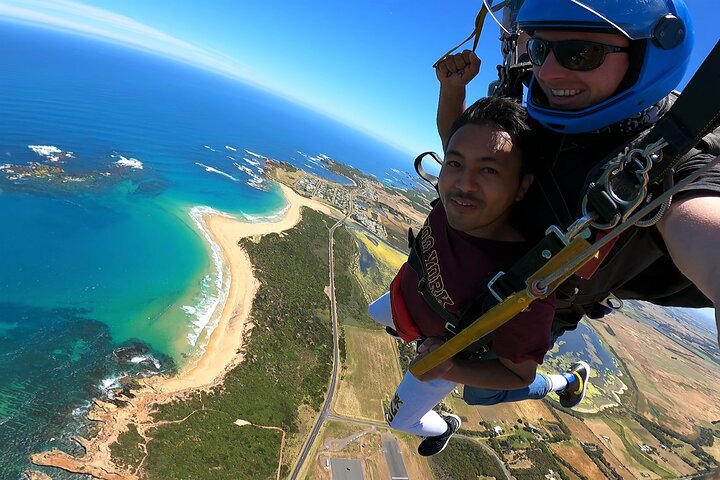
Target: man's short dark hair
column 503, row 113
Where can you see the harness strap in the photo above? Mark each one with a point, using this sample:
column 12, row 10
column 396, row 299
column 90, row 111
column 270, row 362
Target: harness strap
column 479, row 20
column 491, row 292
column 694, row 115
column 417, row 263
column 655, row 154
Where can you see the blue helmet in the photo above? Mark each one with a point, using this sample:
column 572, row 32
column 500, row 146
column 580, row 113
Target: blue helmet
column 661, row 28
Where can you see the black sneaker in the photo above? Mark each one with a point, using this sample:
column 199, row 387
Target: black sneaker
column 575, row 391
column 433, row 445
column 392, row 332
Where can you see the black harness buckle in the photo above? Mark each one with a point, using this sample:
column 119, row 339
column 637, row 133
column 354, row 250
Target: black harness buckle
column 498, row 296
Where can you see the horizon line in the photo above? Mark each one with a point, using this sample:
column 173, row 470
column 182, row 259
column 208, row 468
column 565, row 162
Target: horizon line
column 165, row 46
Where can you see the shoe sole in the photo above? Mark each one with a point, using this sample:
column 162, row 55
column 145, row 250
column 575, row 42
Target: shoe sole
column 584, row 380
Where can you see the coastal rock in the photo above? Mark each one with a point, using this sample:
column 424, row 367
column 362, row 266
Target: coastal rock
column 35, row 475
column 127, row 353
column 64, row 461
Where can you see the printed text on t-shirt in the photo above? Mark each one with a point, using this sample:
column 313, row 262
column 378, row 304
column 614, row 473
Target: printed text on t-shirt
column 432, row 266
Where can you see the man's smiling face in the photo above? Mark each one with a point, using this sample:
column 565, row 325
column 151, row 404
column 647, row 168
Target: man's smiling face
column 481, row 178
column 576, row 90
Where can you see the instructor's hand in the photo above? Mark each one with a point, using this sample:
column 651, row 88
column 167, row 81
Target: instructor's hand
column 429, row 345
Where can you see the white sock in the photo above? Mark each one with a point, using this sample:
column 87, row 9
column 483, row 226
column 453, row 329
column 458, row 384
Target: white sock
column 557, row 382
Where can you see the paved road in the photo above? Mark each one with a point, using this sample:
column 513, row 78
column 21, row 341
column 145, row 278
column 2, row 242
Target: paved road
column 336, row 355
column 393, row 457
column 346, row 469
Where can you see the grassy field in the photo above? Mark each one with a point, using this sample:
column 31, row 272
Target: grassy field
column 612, row 437
column 504, row 415
column 641, row 462
column 370, row 374
column 385, row 263
column 665, row 378
column 574, row 454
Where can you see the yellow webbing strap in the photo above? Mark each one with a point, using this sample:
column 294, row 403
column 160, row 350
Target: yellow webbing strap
column 503, row 311
column 479, row 20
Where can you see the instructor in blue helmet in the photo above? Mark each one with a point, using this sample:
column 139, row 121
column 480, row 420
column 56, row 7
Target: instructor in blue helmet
column 603, row 72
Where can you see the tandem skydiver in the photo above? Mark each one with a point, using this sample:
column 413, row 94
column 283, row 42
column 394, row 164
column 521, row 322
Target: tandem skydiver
column 601, row 75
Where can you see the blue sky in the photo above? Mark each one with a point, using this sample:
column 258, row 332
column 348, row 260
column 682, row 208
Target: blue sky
column 365, row 63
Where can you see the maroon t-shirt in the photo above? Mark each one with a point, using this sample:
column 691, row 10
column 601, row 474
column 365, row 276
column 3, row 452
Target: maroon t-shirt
column 456, row 263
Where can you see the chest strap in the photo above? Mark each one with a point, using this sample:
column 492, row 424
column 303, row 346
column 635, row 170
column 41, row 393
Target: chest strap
column 490, row 292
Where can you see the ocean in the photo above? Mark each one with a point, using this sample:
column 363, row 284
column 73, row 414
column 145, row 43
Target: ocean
column 108, row 156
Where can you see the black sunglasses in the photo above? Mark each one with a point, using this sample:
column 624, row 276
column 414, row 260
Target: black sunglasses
column 580, row 55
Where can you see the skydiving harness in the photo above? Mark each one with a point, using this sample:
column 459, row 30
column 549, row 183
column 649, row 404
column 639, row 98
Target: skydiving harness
column 620, row 199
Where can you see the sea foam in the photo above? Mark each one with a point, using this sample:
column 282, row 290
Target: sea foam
column 256, row 155
column 275, row 217
column 143, row 358
column 128, row 162
column 50, row 152
column 215, row 286
column 215, row 170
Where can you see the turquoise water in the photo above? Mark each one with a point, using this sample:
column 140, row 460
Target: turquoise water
column 106, row 255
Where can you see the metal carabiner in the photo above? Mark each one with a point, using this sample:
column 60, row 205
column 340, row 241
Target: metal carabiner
column 624, row 182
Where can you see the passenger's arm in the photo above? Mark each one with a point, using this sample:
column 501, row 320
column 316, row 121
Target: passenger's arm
column 454, row 73
column 691, row 231
column 500, row 374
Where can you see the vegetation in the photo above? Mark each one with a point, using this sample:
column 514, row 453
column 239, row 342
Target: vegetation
column 129, row 450
column 596, row 455
column 378, row 272
column 208, row 445
column 542, row 460
column 464, row 459
column 632, row 449
column 706, row 436
column 347, row 171
column 352, row 306
column 287, row 365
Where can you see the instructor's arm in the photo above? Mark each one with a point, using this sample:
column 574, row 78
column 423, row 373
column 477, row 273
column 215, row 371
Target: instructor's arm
column 691, row 231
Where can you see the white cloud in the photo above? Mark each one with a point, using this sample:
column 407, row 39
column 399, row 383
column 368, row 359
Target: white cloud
column 76, row 17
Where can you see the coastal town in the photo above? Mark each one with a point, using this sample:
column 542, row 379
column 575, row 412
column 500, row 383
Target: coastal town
column 385, row 211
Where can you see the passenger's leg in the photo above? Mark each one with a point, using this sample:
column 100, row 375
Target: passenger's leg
column 381, row 312
column 411, row 409
column 538, row 389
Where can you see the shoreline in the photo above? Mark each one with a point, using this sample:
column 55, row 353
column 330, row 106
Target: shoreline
column 224, row 349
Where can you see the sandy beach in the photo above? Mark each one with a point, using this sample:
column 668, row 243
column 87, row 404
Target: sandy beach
column 223, row 351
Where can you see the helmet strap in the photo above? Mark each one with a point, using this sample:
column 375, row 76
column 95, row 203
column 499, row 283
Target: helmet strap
column 636, row 56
